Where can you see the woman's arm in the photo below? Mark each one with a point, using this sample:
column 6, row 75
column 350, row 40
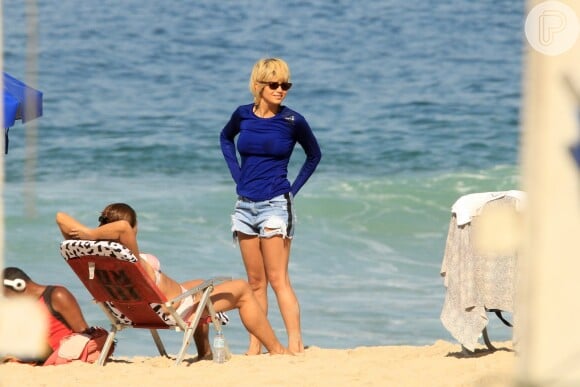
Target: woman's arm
column 305, row 137
column 68, row 224
column 228, row 146
column 119, row 231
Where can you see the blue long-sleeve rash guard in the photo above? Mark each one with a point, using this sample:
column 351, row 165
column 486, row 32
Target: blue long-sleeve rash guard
column 265, row 146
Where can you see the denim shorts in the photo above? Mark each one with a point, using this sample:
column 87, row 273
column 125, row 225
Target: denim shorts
column 266, row 218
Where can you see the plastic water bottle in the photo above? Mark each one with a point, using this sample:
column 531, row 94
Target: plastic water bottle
column 219, row 348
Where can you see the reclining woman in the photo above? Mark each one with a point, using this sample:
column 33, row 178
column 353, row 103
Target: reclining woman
column 118, row 222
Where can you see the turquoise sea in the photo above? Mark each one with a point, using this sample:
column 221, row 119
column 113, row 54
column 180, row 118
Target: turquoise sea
column 414, row 103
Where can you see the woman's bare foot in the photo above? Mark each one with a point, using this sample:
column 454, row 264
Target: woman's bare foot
column 281, row 350
column 295, row 345
column 207, row 356
column 255, row 348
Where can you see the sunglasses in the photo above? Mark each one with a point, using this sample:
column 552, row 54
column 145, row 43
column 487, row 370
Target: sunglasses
column 274, row 85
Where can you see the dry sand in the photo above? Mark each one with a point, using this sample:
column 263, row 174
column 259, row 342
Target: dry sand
column 440, row 364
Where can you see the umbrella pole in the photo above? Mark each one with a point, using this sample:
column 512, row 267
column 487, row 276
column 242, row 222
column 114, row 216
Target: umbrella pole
column 32, row 127
column 3, row 144
column 31, row 344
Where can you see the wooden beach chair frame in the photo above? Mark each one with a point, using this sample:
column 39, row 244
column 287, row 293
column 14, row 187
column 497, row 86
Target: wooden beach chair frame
column 129, row 298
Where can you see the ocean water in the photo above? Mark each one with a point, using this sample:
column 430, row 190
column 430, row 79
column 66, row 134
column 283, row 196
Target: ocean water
column 414, row 103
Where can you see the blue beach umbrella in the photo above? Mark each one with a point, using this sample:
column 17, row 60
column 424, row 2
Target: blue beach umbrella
column 21, row 102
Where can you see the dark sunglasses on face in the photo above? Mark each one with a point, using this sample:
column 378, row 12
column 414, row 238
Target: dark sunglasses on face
column 274, row 85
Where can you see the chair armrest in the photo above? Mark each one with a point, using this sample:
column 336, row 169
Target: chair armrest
column 199, row 288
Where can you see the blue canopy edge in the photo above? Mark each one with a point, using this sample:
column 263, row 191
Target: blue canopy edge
column 21, row 102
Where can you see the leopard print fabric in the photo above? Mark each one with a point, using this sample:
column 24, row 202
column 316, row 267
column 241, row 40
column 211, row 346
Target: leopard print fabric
column 79, row 248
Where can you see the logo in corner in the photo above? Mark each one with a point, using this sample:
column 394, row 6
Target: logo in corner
column 552, row 28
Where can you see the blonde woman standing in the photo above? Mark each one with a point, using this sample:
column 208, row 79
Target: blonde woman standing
column 263, row 220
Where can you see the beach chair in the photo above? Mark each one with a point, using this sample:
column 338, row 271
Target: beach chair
column 129, row 298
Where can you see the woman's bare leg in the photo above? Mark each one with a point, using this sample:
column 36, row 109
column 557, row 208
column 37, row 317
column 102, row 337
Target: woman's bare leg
column 201, row 339
column 276, row 253
column 254, row 264
column 238, row 294
column 201, row 333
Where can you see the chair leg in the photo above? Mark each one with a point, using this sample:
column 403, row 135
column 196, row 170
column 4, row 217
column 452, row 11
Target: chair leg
column 107, row 346
column 487, row 341
column 158, row 342
column 503, row 320
column 185, row 344
column 192, row 325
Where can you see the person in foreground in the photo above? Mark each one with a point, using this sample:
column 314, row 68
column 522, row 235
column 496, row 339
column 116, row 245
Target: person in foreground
column 69, row 336
column 263, row 219
column 118, row 222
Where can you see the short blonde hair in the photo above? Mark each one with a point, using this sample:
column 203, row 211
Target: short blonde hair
column 268, row 70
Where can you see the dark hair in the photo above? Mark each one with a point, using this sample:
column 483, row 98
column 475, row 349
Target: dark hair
column 12, row 273
column 118, row 211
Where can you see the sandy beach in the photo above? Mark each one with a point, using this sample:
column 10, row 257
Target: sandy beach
column 440, row 364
